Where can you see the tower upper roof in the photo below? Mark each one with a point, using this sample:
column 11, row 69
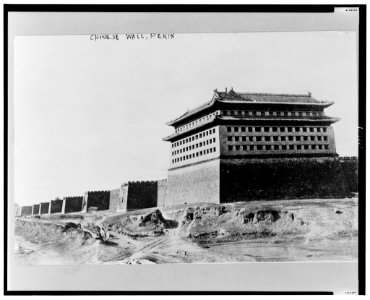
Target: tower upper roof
column 256, row 98
column 266, row 97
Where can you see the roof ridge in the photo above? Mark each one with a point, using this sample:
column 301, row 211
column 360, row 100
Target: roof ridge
column 272, row 94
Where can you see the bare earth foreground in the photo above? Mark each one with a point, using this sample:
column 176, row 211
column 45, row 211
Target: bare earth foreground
column 263, row 231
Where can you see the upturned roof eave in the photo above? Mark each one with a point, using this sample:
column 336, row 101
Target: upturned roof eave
column 192, row 112
column 324, row 104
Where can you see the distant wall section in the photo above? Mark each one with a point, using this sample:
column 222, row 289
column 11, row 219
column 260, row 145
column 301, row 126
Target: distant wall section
column 162, row 191
column 72, row 204
column 114, row 198
column 122, row 204
column 44, row 208
column 97, row 200
column 36, row 209
column 142, row 194
column 17, row 210
column 26, row 210
column 56, row 206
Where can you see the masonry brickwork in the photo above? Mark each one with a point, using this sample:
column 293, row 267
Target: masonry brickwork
column 196, row 183
column 350, row 170
column 36, row 209
column 142, row 194
column 114, row 199
column 277, row 178
column 44, row 208
column 162, row 191
column 96, row 200
column 17, row 210
column 56, row 206
column 26, row 210
column 122, row 204
column 72, row 204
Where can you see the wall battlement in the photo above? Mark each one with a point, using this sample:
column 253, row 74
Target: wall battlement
column 44, row 208
column 72, row 204
column 56, row 206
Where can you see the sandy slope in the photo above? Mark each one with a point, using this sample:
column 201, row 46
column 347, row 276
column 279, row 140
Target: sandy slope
column 288, row 230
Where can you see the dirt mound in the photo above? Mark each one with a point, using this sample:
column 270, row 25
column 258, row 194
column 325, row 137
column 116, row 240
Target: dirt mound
column 230, row 223
column 71, row 225
column 262, row 215
column 37, row 232
column 192, row 213
column 155, row 219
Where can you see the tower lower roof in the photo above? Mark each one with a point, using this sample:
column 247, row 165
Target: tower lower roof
column 255, row 98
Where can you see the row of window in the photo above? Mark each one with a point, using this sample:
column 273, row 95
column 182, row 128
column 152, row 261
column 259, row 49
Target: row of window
column 194, row 146
column 194, row 155
column 250, row 113
column 197, row 122
column 277, row 147
column 194, row 137
column 273, row 113
column 275, row 129
column 276, row 138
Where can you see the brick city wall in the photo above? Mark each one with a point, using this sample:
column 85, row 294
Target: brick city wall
column 122, row 204
column 72, row 204
column 114, row 199
column 194, row 183
column 350, row 170
column 17, row 210
column 162, row 189
column 270, row 179
column 26, row 210
column 56, row 206
column 142, row 194
column 44, row 209
column 36, row 209
column 98, row 199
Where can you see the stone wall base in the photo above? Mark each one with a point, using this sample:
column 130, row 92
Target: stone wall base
column 227, row 180
column 194, row 183
column 288, row 178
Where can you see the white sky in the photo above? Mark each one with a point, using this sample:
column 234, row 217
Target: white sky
column 91, row 115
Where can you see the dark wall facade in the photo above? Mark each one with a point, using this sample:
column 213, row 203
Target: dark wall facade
column 142, row 194
column 72, row 204
column 350, row 170
column 36, row 209
column 44, row 208
column 26, row 210
column 98, row 199
column 271, row 179
column 56, row 206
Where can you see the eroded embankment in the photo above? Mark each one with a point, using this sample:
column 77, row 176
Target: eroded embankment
column 235, row 222
column 254, row 231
